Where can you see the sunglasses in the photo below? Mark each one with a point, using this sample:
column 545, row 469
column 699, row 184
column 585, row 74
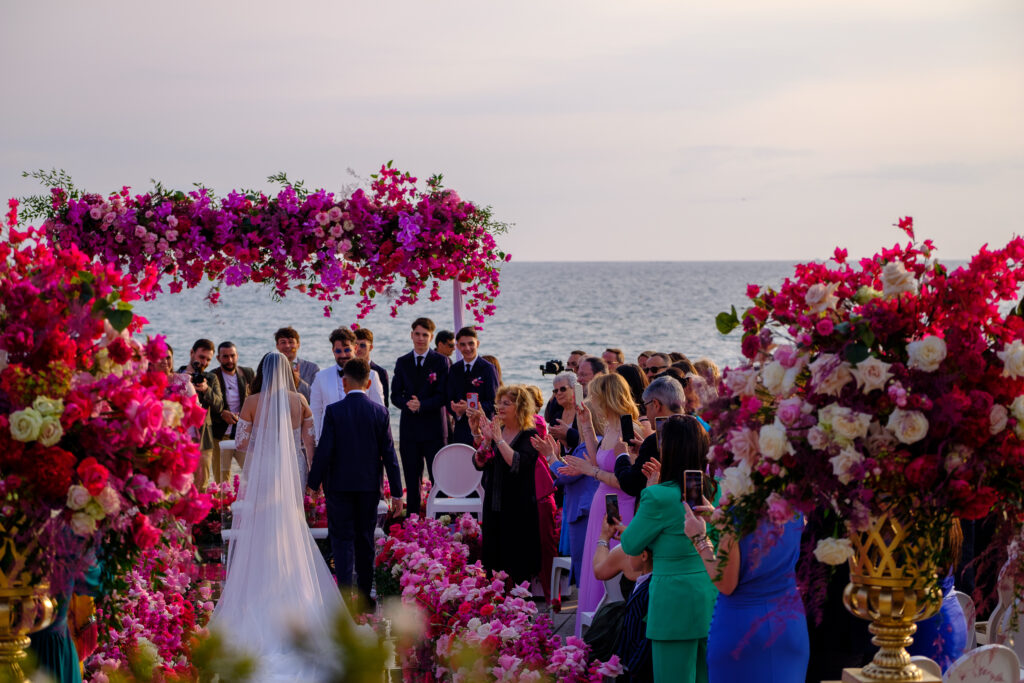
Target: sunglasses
column 651, row 369
column 559, row 390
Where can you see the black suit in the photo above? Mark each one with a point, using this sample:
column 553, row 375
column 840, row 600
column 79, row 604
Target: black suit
column 244, row 376
column 421, row 434
column 632, row 479
column 482, row 380
column 355, row 448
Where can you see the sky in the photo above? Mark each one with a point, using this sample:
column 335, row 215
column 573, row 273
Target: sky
column 604, row 131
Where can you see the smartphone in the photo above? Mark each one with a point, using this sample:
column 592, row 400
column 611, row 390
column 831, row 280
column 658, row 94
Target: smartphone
column 611, row 507
column 578, row 389
column 659, row 427
column 693, row 483
column 626, row 421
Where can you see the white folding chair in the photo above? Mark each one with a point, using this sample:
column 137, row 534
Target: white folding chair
column 612, row 593
column 561, row 568
column 455, row 476
column 985, row 632
column 986, row 664
column 967, row 605
column 929, row 666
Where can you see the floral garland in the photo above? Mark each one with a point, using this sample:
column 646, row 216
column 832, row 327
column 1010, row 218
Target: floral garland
column 331, row 246
column 475, row 629
column 892, row 384
column 91, row 442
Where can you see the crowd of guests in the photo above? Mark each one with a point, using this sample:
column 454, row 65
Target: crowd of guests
column 599, row 470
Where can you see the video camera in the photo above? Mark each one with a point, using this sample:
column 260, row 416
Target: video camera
column 552, row 367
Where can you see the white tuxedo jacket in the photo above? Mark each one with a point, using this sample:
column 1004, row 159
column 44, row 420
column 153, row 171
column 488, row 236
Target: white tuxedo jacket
column 326, row 389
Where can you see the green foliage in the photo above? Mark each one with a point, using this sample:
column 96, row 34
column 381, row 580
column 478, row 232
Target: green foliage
column 39, row 206
column 726, row 322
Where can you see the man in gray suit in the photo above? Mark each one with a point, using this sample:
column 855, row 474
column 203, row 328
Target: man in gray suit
column 234, row 382
column 287, row 341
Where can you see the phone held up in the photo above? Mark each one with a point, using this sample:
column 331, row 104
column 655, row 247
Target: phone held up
column 626, row 422
column 693, row 485
column 578, row 393
column 611, row 507
column 473, row 401
column 659, row 427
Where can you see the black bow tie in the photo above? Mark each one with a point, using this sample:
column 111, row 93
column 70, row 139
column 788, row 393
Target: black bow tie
column 341, row 373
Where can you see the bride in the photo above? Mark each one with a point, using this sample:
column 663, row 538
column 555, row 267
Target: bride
column 278, row 586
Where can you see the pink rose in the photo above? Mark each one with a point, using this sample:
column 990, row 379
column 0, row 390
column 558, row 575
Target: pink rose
column 94, row 475
column 779, row 511
column 790, row 411
column 144, row 533
column 743, row 444
column 786, row 356
column 829, row 374
column 824, row 327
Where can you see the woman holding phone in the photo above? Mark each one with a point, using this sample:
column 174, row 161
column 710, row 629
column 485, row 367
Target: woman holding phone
column 510, row 524
column 610, row 398
column 679, row 585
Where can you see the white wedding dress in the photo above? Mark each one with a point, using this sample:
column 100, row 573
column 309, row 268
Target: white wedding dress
column 279, row 591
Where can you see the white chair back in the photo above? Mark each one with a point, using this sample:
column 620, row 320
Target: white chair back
column 927, row 665
column 986, row 664
column 454, row 474
column 967, row 605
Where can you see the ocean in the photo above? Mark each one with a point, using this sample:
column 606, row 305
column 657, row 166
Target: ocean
column 544, row 311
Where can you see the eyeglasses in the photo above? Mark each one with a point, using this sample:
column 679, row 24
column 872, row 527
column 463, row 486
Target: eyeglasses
column 559, row 390
column 647, row 403
column 651, row 369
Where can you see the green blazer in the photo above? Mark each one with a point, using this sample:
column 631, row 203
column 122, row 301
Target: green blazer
column 682, row 597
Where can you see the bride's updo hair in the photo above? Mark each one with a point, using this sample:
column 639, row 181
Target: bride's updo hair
column 268, row 364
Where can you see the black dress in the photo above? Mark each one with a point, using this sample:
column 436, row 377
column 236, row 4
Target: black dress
column 510, row 525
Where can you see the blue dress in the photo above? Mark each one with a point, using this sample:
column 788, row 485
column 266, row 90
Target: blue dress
column 759, row 633
column 579, row 494
column 943, row 637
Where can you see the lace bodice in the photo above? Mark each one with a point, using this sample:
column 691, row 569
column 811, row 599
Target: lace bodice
column 243, row 432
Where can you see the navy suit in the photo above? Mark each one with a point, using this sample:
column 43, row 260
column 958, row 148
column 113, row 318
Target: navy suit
column 421, row 434
column 483, row 380
column 355, row 448
column 383, row 374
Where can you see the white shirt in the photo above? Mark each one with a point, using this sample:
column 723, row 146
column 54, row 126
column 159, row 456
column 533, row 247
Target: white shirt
column 327, row 389
column 231, row 396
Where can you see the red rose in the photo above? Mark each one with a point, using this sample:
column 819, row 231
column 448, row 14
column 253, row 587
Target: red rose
column 94, row 475
column 52, row 472
column 143, row 532
column 981, row 504
column 119, row 351
column 487, row 610
column 924, row 470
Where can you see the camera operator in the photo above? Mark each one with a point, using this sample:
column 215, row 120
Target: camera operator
column 210, row 397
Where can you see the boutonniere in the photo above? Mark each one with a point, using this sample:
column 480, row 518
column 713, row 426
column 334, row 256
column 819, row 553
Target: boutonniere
column 432, row 377
column 477, row 381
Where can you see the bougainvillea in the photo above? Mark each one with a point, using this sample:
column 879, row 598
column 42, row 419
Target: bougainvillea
column 391, row 240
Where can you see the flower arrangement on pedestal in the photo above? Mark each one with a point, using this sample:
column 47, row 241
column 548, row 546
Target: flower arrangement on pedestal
column 90, row 443
column 323, row 244
column 894, row 386
column 475, row 629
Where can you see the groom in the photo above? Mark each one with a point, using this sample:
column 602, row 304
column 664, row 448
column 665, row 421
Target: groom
column 355, row 447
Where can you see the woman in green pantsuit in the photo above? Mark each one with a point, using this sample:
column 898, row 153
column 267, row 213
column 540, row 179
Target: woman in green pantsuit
column 682, row 597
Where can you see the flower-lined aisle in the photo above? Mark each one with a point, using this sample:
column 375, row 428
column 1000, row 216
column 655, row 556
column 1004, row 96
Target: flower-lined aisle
column 475, row 628
column 391, row 240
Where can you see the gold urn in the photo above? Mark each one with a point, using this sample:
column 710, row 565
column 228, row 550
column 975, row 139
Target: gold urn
column 893, row 584
column 25, row 606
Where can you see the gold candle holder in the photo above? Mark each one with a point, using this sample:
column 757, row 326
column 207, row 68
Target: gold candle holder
column 25, row 606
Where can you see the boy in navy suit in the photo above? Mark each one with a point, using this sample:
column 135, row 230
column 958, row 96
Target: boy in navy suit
column 471, row 375
column 418, row 390
column 355, row 448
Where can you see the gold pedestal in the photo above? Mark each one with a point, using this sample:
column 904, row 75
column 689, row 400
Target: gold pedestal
column 892, row 583
column 23, row 610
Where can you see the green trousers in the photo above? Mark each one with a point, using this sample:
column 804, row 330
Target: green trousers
column 680, row 661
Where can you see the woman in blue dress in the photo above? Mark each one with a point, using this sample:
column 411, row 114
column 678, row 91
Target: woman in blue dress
column 758, row 630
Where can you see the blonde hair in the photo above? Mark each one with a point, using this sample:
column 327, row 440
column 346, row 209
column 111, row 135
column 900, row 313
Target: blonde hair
column 708, row 369
column 537, row 395
column 612, row 397
column 522, row 398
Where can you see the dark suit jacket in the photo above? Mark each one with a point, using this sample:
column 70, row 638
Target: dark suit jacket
column 631, row 477
column 483, row 380
column 245, row 376
column 355, row 447
column 213, row 401
column 383, row 374
column 429, row 386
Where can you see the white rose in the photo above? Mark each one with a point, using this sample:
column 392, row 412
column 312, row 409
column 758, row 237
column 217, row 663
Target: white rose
column 829, row 374
column 997, row 419
column 109, row 501
column 833, row 550
column 909, row 426
column 772, row 376
column 879, row 439
column 773, row 441
column 25, row 424
column 1017, row 408
column 736, row 481
column 50, row 431
column 896, row 280
column 94, row 509
column 82, row 524
column 866, row 294
column 926, row 354
column 957, row 455
column 78, row 496
column 173, row 412
column 871, row 374
column 743, row 444
column 48, row 406
column 1013, row 359
column 844, row 462
column 850, row 424
column 818, row 438
column 820, row 298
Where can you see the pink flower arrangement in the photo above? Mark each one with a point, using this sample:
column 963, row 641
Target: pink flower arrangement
column 476, row 629
column 369, row 242
column 91, row 444
column 893, row 383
